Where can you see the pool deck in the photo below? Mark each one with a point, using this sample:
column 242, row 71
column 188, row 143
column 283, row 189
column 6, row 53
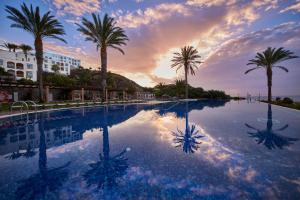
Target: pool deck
column 78, row 106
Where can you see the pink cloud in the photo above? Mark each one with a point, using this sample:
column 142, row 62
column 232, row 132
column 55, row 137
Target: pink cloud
column 151, row 15
column 225, row 67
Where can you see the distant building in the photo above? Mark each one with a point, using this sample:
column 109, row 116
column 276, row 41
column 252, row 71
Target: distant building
column 16, row 64
column 145, row 95
column 65, row 63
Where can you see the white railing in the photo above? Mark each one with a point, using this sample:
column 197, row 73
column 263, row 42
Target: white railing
column 32, row 104
column 21, row 105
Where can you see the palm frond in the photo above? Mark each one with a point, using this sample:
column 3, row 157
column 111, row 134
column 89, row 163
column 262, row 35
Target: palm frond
column 187, row 58
column 249, row 70
column 31, row 20
column 281, row 67
column 270, row 58
column 104, row 33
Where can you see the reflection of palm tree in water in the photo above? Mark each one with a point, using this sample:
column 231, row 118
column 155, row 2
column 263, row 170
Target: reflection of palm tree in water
column 269, row 137
column 105, row 172
column 189, row 140
column 47, row 180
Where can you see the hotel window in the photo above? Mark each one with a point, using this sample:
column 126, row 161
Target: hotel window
column 10, row 65
column 28, row 59
column 46, row 61
column 22, row 59
column 53, row 62
column 20, row 66
column 29, row 66
column 66, row 69
column 29, row 75
column 20, row 74
column 1, row 62
column 12, row 72
column 62, row 69
column 46, row 66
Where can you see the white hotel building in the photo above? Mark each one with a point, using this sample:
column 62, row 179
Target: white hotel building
column 16, row 64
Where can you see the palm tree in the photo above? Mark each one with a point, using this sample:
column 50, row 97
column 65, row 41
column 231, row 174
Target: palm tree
column 46, row 180
column 25, row 48
column 41, row 27
column 189, row 139
column 268, row 60
column 108, row 169
column 10, row 46
column 104, row 33
column 189, row 59
column 270, row 137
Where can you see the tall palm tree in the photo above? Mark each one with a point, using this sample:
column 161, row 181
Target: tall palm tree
column 47, row 180
column 41, row 27
column 268, row 60
column 104, row 33
column 188, row 58
column 189, row 139
column 10, row 46
column 108, row 169
column 269, row 136
column 25, row 48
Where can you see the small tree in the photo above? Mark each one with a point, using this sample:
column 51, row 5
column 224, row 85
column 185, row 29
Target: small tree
column 25, row 48
column 55, row 68
column 10, row 46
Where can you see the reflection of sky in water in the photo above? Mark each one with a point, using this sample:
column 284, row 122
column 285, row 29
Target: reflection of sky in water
column 227, row 165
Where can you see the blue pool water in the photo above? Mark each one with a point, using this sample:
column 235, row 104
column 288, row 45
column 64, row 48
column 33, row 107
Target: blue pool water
column 195, row 150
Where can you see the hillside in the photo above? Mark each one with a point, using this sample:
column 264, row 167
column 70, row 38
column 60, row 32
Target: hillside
column 91, row 78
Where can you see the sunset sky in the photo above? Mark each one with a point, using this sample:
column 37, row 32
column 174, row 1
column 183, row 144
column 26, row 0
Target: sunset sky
column 227, row 33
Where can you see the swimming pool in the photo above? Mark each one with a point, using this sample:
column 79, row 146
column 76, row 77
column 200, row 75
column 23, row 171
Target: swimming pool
column 188, row 150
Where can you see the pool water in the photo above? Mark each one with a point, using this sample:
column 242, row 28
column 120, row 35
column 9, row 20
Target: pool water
column 187, row 150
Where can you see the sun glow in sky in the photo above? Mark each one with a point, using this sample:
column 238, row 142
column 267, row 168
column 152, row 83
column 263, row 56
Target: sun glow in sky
column 165, row 60
column 226, row 33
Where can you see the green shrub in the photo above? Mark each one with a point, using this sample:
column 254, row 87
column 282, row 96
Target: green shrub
column 287, row 100
column 25, row 81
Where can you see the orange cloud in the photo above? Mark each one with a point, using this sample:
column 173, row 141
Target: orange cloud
column 225, row 66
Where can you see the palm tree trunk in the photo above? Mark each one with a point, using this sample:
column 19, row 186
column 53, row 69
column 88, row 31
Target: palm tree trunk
column 186, row 83
column 104, row 71
column 105, row 143
column 186, row 116
column 42, row 150
column 269, row 76
column 38, row 43
column 270, row 121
